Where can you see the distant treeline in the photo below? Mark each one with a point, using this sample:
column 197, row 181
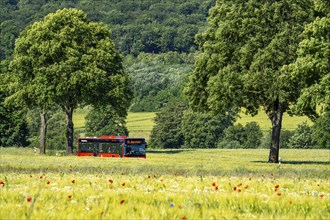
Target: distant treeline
column 150, row 26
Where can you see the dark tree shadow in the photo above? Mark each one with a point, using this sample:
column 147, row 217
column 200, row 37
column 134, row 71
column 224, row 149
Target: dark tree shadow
column 299, row 162
column 169, row 151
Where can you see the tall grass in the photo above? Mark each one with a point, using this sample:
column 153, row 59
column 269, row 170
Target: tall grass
column 169, row 184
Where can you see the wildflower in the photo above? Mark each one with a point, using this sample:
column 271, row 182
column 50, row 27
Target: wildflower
column 110, row 181
column 246, row 186
column 123, row 184
column 149, row 177
column 122, row 201
column 277, row 187
column 214, row 184
column 73, row 181
column 41, row 177
column 240, row 184
column 69, row 196
column 279, row 194
column 216, row 187
column 28, row 199
column 234, row 188
column 322, row 195
column 250, row 178
column 48, row 182
column 172, row 204
column 2, row 183
column 180, row 206
column 184, row 218
column 239, row 190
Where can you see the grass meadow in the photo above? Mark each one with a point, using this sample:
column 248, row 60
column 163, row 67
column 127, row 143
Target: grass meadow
column 140, row 124
column 169, row 184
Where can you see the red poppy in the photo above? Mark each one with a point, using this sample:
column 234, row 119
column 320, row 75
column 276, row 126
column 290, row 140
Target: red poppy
column 48, row 182
column 28, row 199
column 69, row 196
column 279, row 194
column 149, row 177
column 214, row 184
column 123, row 184
column 122, row 201
column 239, row 190
column 110, row 181
column 41, row 177
column 184, row 218
column 235, row 188
column 216, row 187
column 73, row 181
column 2, row 183
column 276, row 187
column 246, row 186
column 322, row 195
column 250, row 178
column 240, row 184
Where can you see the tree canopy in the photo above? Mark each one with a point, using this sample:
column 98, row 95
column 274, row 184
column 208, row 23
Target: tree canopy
column 71, row 61
column 243, row 53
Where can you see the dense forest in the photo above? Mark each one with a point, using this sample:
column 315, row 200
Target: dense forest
column 150, row 26
column 139, row 28
column 155, row 37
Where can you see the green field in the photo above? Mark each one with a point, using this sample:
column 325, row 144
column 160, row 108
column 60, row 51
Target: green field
column 140, row 124
column 176, row 184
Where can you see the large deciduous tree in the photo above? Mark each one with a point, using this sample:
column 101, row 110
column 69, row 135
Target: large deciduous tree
column 71, row 61
column 242, row 55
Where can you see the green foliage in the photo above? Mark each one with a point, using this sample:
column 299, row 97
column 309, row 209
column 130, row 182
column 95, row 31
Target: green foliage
column 313, row 63
column 157, row 79
column 239, row 136
column 242, row 55
column 302, row 137
column 321, row 131
column 68, row 60
column 167, row 132
column 13, row 126
column 138, row 26
column 204, row 130
column 103, row 120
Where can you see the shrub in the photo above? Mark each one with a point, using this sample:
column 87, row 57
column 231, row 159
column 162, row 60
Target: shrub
column 204, row 130
column 302, row 137
column 248, row 136
column 166, row 132
column 321, row 131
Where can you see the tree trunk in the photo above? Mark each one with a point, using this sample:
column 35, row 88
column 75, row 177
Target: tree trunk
column 276, row 118
column 69, row 132
column 43, row 130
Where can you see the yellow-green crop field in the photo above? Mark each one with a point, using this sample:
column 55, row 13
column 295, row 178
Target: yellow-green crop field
column 169, row 184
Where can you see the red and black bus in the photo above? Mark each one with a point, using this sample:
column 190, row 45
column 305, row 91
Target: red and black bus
column 112, row 146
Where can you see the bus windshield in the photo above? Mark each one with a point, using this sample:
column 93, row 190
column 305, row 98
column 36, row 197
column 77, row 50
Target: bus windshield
column 135, row 147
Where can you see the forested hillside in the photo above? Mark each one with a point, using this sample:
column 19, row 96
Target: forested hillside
column 164, row 27
column 151, row 26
